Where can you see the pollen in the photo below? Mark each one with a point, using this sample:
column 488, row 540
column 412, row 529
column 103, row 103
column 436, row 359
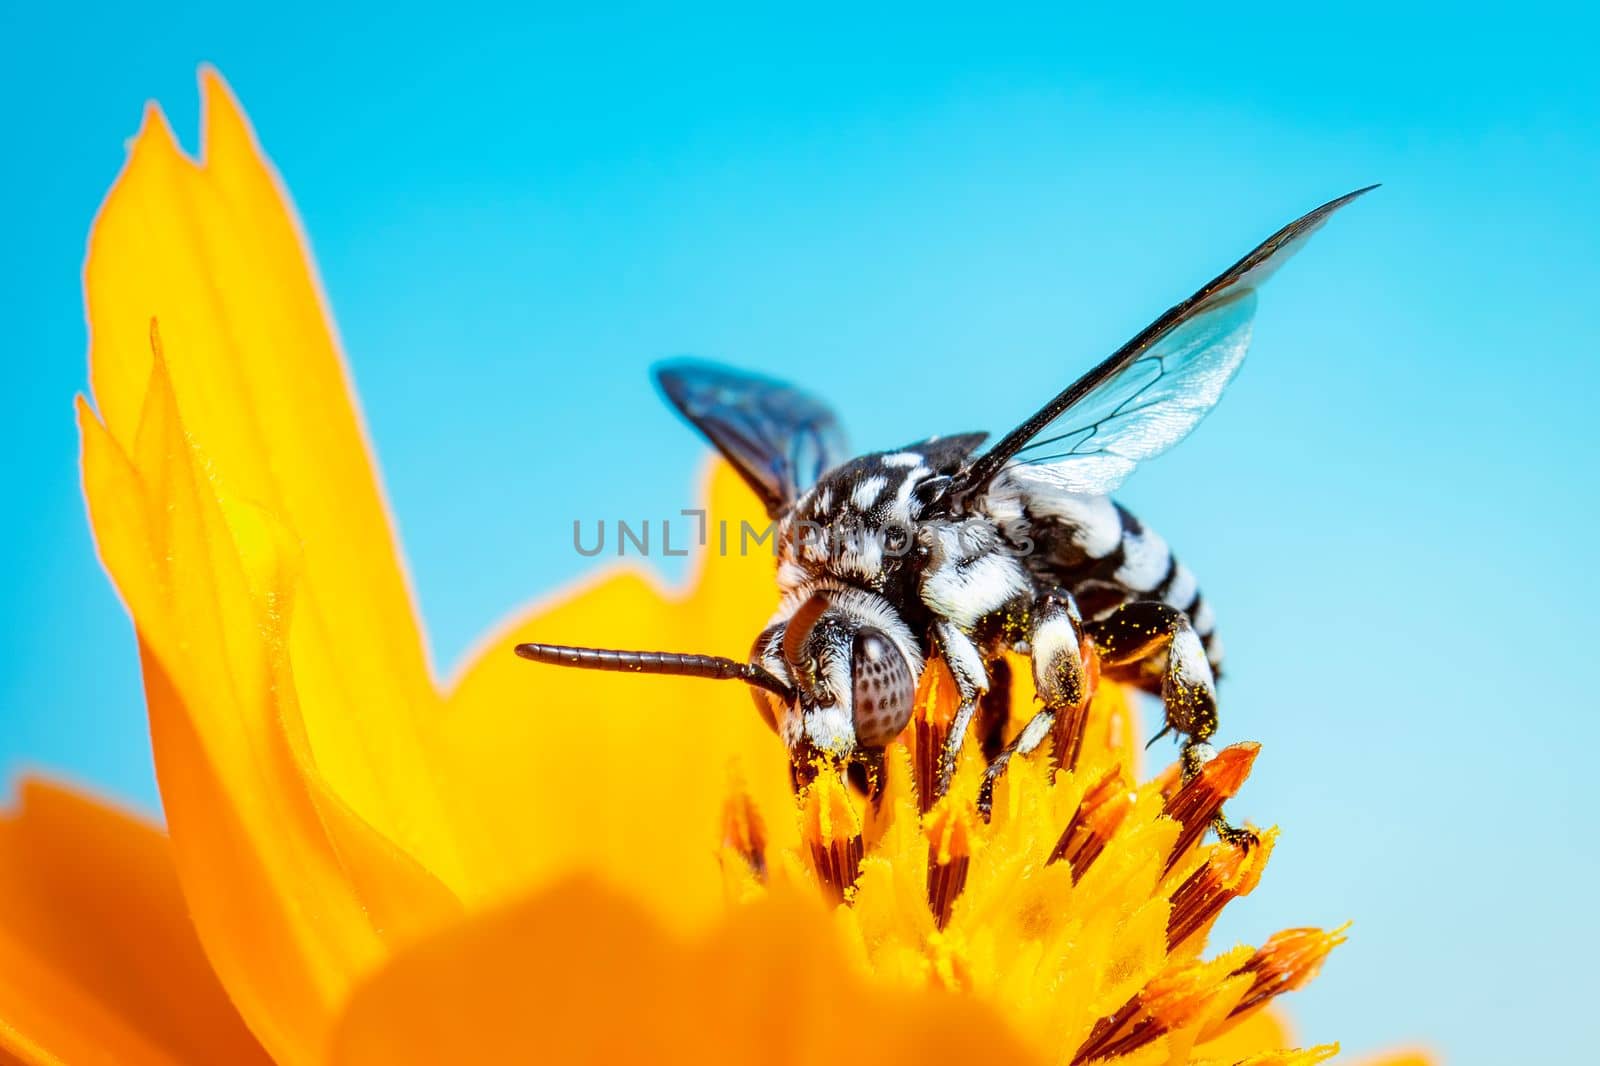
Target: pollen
column 932, row 717
column 1099, row 814
column 1080, row 908
column 949, row 828
column 831, row 826
column 1228, row 872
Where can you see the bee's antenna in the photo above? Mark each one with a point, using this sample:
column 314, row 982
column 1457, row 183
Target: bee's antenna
column 679, row 664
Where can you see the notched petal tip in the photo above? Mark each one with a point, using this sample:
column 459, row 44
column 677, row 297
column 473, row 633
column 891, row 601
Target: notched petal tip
column 155, row 132
column 225, row 131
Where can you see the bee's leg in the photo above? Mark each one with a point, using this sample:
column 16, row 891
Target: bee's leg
column 1055, row 639
column 1024, row 743
column 961, row 655
column 1142, row 640
column 1146, row 641
column 866, row 772
column 994, row 708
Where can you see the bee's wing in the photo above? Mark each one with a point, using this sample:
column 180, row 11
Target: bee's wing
column 1153, row 390
column 779, row 438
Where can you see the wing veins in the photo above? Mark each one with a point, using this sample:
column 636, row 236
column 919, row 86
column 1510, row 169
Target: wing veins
column 1213, row 294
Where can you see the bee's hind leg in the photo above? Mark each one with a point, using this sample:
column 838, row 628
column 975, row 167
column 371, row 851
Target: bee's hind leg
column 1145, row 640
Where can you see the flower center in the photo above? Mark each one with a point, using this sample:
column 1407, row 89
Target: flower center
column 1074, row 899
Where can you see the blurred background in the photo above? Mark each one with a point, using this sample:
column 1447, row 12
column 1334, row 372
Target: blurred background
column 938, row 220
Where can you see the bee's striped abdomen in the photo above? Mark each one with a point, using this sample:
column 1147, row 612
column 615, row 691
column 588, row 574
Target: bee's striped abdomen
column 1105, row 557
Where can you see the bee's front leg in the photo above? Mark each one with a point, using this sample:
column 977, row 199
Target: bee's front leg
column 965, row 661
column 1139, row 639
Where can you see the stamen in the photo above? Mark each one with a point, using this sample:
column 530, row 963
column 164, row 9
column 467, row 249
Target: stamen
column 949, row 830
column 1195, row 804
column 1066, row 735
column 1127, row 1028
column 1229, row 871
column 1170, row 1001
column 1099, row 814
column 744, row 833
column 1287, row 961
column 1176, row 998
column 935, row 708
column 831, row 827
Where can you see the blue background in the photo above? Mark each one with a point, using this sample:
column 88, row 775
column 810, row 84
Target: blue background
column 938, row 220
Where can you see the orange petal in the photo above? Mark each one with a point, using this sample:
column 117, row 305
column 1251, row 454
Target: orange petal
column 235, row 507
column 98, row 961
column 213, row 253
column 581, row 974
column 628, row 776
column 292, row 893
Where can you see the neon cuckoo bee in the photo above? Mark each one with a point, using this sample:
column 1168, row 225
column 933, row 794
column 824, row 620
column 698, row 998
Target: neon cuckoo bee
column 1018, row 547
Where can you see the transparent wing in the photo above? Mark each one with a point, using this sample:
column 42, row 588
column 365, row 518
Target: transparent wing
column 1153, row 390
column 1149, row 406
column 779, row 438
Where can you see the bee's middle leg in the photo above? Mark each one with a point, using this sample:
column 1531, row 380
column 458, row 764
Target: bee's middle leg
column 1055, row 642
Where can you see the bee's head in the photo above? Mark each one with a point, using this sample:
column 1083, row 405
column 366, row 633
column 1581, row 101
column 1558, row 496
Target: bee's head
column 836, row 670
column 852, row 664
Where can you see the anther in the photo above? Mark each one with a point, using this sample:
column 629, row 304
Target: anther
column 1287, row 961
column 1229, row 871
column 1196, row 804
column 831, row 826
column 1099, row 814
column 744, row 834
column 932, row 713
column 949, row 830
column 1170, row 1001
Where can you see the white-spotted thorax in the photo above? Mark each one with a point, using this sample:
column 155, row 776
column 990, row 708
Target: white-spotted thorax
column 853, row 556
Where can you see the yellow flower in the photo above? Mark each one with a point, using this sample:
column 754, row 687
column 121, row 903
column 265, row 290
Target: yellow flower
column 528, row 864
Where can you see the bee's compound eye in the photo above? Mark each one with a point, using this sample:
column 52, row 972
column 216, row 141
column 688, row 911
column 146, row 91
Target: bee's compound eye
column 884, row 688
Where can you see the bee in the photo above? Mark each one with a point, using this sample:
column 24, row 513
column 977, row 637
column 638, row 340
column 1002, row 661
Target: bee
column 944, row 548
